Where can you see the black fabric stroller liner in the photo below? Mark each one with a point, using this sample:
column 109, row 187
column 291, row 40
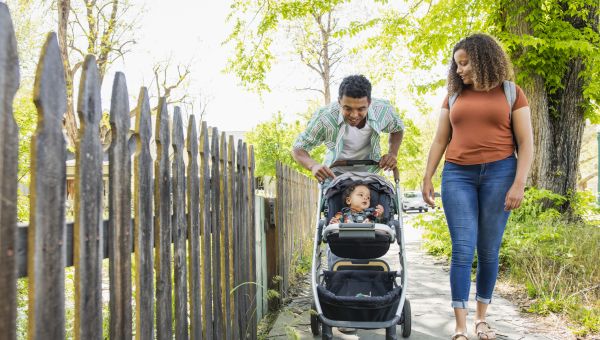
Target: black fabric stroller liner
column 359, row 295
column 359, row 248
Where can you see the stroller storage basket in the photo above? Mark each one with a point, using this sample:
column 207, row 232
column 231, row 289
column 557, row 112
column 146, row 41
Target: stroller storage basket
column 359, row 295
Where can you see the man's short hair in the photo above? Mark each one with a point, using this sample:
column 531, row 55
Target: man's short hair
column 355, row 86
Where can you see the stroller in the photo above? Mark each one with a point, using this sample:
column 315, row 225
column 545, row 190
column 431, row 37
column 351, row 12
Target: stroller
column 360, row 291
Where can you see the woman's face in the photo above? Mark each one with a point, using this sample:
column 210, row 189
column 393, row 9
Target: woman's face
column 463, row 66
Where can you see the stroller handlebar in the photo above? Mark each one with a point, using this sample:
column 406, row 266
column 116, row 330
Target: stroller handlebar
column 353, row 162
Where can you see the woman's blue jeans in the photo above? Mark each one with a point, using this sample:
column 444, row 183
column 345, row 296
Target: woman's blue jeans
column 473, row 197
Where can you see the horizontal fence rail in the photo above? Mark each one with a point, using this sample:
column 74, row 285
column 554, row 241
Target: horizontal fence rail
column 191, row 249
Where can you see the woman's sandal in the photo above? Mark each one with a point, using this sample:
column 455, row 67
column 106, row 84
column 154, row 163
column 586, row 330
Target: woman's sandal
column 484, row 331
column 459, row 336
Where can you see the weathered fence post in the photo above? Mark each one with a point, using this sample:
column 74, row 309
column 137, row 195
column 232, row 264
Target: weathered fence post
column 179, row 228
column 241, row 244
column 216, row 235
column 9, row 146
column 193, row 199
column 251, row 225
column 162, row 225
column 46, row 235
column 87, row 235
column 233, row 241
column 119, row 211
column 225, row 231
column 144, row 242
column 205, row 227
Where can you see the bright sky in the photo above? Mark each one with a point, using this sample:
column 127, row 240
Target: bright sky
column 191, row 30
column 194, row 30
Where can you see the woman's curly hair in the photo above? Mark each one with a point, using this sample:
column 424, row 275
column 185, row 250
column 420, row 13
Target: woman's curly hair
column 491, row 66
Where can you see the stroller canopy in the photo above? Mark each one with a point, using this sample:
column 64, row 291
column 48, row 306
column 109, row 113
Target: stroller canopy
column 374, row 181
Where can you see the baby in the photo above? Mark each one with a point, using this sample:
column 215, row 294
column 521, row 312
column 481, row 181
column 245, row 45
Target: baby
column 358, row 200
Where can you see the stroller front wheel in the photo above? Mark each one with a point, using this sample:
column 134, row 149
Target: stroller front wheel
column 315, row 323
column 406, row 319
column 327, row 332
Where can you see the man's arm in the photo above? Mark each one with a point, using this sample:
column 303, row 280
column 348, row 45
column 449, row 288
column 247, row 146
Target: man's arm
column 320, row 171
column 389, row 161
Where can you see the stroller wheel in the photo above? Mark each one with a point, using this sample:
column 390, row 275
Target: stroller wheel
column 327, row 333
column 406, row 319
column 315, row 323
column 390, row 333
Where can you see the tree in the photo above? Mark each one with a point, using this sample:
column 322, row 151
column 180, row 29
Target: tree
column 106, row 30
column 554, row 47
column 273, row 141
column 314, row 25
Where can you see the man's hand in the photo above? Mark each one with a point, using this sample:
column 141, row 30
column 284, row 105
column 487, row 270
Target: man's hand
column 321, row 172
column 388, row 162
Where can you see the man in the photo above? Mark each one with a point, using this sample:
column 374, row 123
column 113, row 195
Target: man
column 350, row 129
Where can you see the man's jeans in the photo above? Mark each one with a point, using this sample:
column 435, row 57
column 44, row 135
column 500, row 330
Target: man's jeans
column 473, row 198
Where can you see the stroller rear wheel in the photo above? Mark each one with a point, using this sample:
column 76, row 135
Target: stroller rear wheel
column 315, row 323
column 406, row 319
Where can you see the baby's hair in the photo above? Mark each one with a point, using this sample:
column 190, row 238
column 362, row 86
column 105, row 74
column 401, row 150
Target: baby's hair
column 350, row 189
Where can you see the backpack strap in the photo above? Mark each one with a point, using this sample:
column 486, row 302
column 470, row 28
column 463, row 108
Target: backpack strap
column 452, row 99
column 510, row 91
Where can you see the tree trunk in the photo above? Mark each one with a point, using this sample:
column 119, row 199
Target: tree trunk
column 70, row 121
column 557, row 119
column 325, row 57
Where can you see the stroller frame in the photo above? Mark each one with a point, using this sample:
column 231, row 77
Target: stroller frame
column 402, row 315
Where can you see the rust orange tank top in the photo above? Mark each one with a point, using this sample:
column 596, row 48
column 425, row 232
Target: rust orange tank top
column 481, row 131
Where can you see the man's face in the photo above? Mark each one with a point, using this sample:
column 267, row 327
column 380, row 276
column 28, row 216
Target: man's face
column 354, row 109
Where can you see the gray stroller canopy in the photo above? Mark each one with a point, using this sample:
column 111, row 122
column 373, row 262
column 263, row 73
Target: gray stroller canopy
column 374, row 181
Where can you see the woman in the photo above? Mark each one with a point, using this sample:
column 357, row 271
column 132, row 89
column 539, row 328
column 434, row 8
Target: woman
column 482, row 180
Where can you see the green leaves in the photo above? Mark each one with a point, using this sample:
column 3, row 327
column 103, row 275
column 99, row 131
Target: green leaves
column 273, row 141
column 257, row 23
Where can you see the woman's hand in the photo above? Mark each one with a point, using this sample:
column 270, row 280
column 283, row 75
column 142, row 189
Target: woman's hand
column 428, row 192
column 514, row 197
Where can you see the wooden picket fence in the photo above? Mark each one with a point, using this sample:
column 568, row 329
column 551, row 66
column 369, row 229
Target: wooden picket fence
column 198, row 217
column 296, row 220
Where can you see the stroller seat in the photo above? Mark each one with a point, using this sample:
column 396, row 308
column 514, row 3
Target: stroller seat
column 359, row 240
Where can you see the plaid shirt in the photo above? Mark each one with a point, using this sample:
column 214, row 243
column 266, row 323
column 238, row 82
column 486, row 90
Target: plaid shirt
column 327, row 126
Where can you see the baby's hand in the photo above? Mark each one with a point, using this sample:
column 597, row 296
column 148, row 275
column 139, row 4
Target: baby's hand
column 336, row 219
column 378, row 210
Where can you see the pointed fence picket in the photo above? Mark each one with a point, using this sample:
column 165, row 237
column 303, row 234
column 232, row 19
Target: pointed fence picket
column 9, row 82
column 194, row 208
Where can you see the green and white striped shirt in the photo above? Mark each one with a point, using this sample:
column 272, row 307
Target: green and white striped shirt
column 327, row 127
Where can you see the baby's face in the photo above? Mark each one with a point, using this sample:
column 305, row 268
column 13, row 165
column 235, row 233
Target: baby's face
column 359, row 199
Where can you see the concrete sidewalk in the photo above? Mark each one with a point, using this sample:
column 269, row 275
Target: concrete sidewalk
column 429, row 295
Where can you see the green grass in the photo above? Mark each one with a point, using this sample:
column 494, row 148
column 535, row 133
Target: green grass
column 556, row 260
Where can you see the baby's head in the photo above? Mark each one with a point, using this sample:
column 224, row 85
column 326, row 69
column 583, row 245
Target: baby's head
column 357, row 197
